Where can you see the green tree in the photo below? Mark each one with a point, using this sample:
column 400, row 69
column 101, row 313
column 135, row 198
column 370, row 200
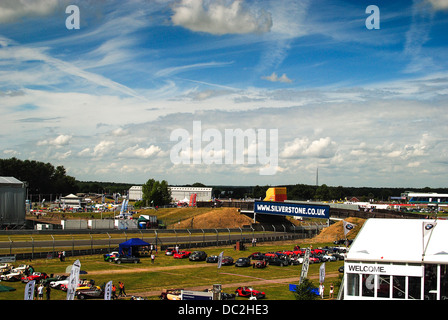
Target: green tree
column 306, row 290
column 156, row 193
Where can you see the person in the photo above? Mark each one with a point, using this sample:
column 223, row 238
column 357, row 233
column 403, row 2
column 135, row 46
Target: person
column 40, row 292
column 331, row 291
column 114, row 292
column 153, row 257
column 48, row 292
column 122, row 292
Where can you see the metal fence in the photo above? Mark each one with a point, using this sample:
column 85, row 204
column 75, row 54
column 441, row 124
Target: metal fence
column 184, row 238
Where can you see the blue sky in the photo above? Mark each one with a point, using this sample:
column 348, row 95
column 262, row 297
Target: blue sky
column 366, row 107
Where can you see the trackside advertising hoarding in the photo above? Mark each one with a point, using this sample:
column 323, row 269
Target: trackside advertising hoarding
column 292, row 209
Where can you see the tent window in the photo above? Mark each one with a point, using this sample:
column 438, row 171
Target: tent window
column 368, row 285
column 443, row 282
column 353, row 284
column 415, row 288
column 383, row 286
column 430, row 282
column 399, row 288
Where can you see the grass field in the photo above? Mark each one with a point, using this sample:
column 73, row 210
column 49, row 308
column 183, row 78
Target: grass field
column 147, row 279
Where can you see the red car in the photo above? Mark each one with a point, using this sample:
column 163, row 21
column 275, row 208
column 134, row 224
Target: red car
column 37, row 276
column 181, row 254
column 249, row 292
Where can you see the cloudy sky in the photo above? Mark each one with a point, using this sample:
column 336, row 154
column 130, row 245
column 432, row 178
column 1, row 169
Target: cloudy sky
column 366, row 107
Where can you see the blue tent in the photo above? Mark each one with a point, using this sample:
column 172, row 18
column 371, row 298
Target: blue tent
column 130, row 247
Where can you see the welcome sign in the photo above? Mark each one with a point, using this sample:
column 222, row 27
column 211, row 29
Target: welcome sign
column 292, row 209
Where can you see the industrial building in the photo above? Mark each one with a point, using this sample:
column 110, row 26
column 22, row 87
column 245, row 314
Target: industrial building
column 12, row 203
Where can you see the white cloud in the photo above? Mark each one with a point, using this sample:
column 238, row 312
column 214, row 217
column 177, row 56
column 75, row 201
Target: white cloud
column 439, row 4
column 103, row 148
column 139, row 152
column 274, row 78
column 220, row 17
column 303, row 147
column 59, row 141
column 11, row 10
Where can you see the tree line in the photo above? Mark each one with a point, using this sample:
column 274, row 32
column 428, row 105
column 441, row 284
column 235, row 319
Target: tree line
column 44, row 178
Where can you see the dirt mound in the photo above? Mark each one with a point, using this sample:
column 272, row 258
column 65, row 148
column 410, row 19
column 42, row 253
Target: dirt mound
column 336, row 230
column 222, row 218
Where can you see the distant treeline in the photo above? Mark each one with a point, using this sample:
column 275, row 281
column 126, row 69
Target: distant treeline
column 45, row 179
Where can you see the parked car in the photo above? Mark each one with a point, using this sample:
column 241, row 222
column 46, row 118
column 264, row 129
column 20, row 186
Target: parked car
column 110, row 256
column 328, row 257
column 242, row 262
column 256, row 256
column 260, row 264
column 170, row 251
column 296, row 260
column 181, row 254
column 126, row 259
column 94, row 292
column 20, row 268
column 211, row 259
column 249, row 292
column 170, row 294
column 197, row 256
column 5, row 267
column 11, row 276
column 278, row 262
column 227, row 261
column 37, row 276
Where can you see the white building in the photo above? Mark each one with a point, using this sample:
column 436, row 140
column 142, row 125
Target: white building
column 177, row 193
column 135, row 193
column 398, row 259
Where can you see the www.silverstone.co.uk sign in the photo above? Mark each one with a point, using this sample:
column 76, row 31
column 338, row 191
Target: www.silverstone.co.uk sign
column 292, row 209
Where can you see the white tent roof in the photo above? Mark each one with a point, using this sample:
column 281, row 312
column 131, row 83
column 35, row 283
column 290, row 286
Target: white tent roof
column 401, row 240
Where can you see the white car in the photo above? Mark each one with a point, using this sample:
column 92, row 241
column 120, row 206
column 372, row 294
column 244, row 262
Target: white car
column 328, row 257
column 5, row 267
column 57, row 284
column 20, row 268
column 12, row 276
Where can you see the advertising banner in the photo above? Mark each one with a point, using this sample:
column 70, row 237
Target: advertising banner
column 292, row 209
column 73, row 280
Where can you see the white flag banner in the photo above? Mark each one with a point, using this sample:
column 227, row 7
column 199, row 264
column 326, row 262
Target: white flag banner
column 322, row 273
column 220, row 259
column 347, row 226
column 73, row 280
column 29, row 290
column 108, row 291
column 427, row 228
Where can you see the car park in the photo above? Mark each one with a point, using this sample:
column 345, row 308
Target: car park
column 198, row 256
column 249, row 292
column 126, row 259
column 242, row 262
column 181, row 254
